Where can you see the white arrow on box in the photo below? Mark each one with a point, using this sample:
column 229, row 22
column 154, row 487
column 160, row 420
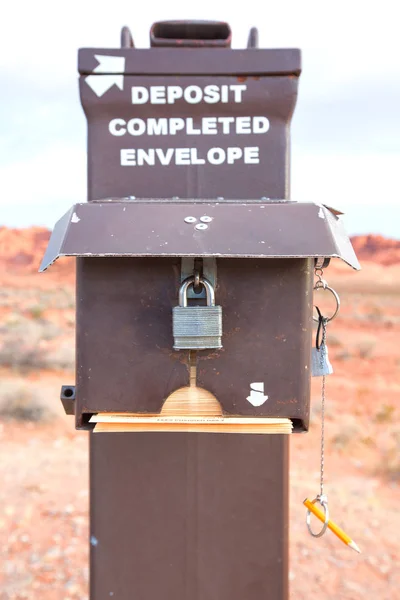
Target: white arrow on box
column 257, row 397
column 108, row 65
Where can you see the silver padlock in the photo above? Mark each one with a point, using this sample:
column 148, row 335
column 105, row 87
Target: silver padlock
column 197, row 327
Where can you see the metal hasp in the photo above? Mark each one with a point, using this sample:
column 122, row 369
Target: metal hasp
column 188, row 160
column 197, row 327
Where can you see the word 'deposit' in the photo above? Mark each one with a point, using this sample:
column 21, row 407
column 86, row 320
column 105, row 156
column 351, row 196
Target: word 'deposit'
column 192, row 94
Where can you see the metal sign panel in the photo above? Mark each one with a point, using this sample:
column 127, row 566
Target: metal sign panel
column 185, row 135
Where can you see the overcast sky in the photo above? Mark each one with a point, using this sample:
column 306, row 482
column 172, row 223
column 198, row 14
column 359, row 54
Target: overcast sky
column 345, row 132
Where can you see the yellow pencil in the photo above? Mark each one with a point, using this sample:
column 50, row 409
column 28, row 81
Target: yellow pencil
column 332, row 526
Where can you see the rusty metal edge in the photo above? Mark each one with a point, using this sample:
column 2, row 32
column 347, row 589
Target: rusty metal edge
column 340, row 239
column 189, row 61
column 58, row 234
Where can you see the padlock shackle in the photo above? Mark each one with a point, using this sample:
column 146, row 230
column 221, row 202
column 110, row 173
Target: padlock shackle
column 190, row 281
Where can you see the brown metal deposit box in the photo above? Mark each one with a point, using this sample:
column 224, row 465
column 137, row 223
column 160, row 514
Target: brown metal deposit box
column 189, row 133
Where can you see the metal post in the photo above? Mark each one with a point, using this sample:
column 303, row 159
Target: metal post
column 189, row 516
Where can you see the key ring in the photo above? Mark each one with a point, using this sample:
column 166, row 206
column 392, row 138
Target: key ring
column 322, row 285
column 323, row 501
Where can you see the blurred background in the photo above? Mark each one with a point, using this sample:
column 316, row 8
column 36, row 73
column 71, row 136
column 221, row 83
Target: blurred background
column 345, row 153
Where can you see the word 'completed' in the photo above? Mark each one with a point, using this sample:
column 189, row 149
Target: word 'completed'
column 204, row 126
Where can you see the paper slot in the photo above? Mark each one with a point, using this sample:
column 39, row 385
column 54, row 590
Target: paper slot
column 139, row 423
column 190, row 409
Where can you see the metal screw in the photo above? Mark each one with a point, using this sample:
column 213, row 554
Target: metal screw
column 201, row 226
column 206, row 219
column 190, row 219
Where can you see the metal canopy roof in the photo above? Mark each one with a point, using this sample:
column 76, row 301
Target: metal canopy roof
column 246, row 229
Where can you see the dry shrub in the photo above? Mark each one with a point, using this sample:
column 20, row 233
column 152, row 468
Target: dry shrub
column 376, row 314
column 70, row 321
column 316, row 411
column 366, row 346
column 369, row 441
column 21, row 356
column 62, row 298
column 20, row 402
column 36, row 311
column 349, row 433
column 362, row 393
column 6, row 297
column 334, row 341
column 389, row 462
column 24, row 345
column 385, row 413
column 343, row 355
column 62, row 357
column 17, row 326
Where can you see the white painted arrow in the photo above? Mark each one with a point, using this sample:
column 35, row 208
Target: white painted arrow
column 108, row 65
column 103, row 83
column 257, row 397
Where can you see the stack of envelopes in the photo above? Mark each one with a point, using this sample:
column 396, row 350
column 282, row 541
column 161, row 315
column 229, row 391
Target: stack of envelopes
column 122, row 422
column 189, row 409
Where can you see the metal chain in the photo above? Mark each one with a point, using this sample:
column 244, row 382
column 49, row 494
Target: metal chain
column 321, row 498
column 321, row 347
column 323, row 355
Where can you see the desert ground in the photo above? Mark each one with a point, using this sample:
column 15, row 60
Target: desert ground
column 44, row 462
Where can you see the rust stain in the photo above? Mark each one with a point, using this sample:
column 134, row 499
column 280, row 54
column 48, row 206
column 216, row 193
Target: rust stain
column 281, row 337
column 212, row 355
column 231, row 332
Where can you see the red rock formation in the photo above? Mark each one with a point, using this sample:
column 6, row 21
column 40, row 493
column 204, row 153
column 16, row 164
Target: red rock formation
column 21, row 251
column 377, row 249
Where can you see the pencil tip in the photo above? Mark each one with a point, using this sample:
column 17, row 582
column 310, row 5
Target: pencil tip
column 355, row 547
